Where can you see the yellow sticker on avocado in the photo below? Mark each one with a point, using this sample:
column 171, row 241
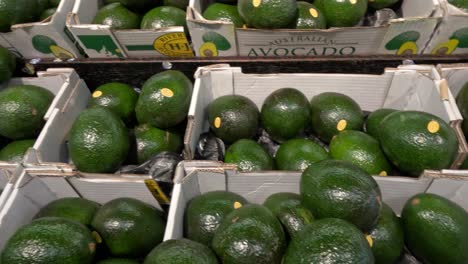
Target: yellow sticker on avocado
column 383, row 173
column 433, row 126
column 167, row 92
column 217, row 122
column 341, row 125
column 313, row 12
column 96, row 237
column 370, row 240
column 237, row 205
column 97, row 94
column 256, row 3
column 353, row 2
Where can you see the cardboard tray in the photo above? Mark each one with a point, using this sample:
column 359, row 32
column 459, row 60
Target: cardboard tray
column 420, row 17
column 30, row 40
column 410, row 87
column 99, row 41
column 7, row 170
column 33, row 188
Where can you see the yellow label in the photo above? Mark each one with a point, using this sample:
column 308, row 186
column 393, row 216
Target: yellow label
column 154, row 188
column 341, row 125
column 237, row 205
column 433, row 126
column 256, row 3
column 173, row 44
column 370, row 240
column 97, row 94
column 313, row 12
column 217, row 122
column 96, row 237
column 383, row 173
column 167, row 92
column 353, row 2
column 415, row 201
column 244, row 26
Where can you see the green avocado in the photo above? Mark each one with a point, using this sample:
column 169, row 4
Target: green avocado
column 463, row 4
column 329, row 240
column 167, row 92
column 233, row 117
column 74, row 208
column 339, row 189
column 26, row 118
column 117, row 16
column 380, row 4
column 342, row 13
column 248, row 155
column 436, row 229
column 138, row 6
column 414, row 141
column 372, row 125
column 205, row 213
column 332, row 113
column 151, row 141
column 181, row 251
column 250, row 234
column 14, row 12
column 268, row 14
column 50, row 240
column 118, row 261
column 298, row 154
column 7, row 64
column 163, row 17
column 15, row 151
column 222, row 12
column 285, row 114
column 98, row 141
column 129, row 227
column 310, row 17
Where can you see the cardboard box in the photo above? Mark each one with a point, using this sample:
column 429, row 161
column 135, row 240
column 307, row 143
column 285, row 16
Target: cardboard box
column 7, row 171
column 35, row 188
column 451, row 35
column 257, row 186
column 419, row 19
column 43, row 39
column 71, row 96
column 406, row 88
column 99, row 41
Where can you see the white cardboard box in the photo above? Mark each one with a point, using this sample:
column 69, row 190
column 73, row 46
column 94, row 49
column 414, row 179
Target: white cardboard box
column 35, row 187
column 99, row 41
column 451, row 35
column 32, row 40
column 191, row 181
column 420, row 17
column 7, row 171
column 410, row 87
column 71, row 97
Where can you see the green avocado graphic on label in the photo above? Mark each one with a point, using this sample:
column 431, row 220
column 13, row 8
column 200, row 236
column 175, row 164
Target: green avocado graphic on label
column 46, row 45
column 404, row 43
column 459, row 39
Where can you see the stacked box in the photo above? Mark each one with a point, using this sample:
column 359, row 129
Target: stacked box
column 406, row 35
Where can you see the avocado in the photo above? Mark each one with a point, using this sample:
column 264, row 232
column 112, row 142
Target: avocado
column 436, row 229
column 50, row 240
column 414, row 141
column 182, row 4
column 462, row 4
column 162, row 17
column 372, row 124
column 339, row 189
column 233, row 117
column 298, row 154
column 288, row 209
column 54, row 3
column 129, row 227
column 268, row 14
column 74, row 208
column 329, row 241
column 168, row 92
column 26, row 119
column 332, row 113
column 118, row 261
column 219, row 40
column 151, row 141
column 98, row 141
column 205, row 213
column 47, row 13
column 248, row 155
column 223, row 12
column 16, row 12
column 15, row 151
column 120, row 98
column 137, row 6
column 285, row 114
column 462, row 103
column 181, row 251
column 380, row 4
column 339, row 13
column 309, row 17
column 250, row 234
column 7, row 64
column 386, row 238
column 43, row 43
column 362, row 150
column 117, row 16
column 208, row 49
